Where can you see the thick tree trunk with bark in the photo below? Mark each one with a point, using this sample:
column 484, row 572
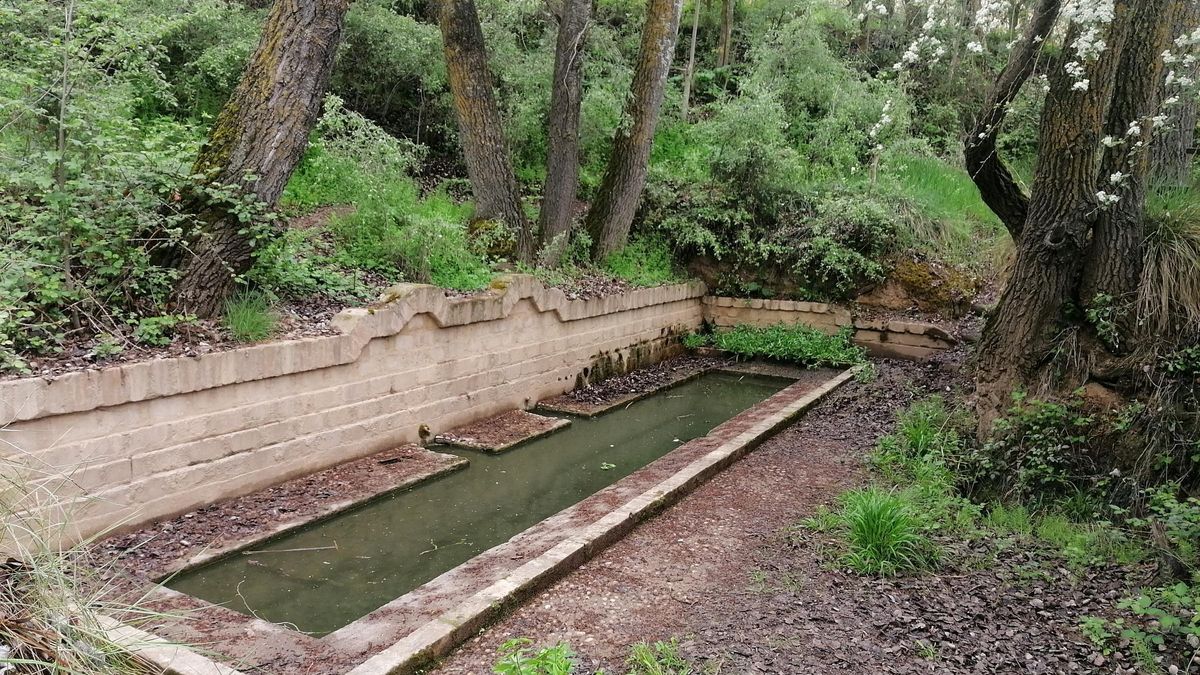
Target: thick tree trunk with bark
column 1113, row 265
column 616, row 202
column 1017, row 337
column 997, row 186
column 480, row 127
column 562, row 158
column 725, row 46
column 1171, row 149
column 259, row 138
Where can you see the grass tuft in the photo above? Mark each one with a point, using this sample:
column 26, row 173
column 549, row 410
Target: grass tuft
column 249, row 317
column 884, row 534
column 1169, row 291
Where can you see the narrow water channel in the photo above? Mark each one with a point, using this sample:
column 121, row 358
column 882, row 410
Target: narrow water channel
column 394, row 544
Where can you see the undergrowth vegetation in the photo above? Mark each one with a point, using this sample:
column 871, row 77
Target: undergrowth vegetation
column 936, row 488
column 795, row 343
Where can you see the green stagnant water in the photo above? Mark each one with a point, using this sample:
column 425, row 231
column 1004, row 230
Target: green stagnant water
column 394, row 544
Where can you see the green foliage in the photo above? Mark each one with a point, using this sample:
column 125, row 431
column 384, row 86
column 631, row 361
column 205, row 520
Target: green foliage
column 1039, row 448
column 884, row 534
column 517, row 659
column 643, row 262
column 795, row 343
column 158, row 331
column 1169, row 290
column 249, row 317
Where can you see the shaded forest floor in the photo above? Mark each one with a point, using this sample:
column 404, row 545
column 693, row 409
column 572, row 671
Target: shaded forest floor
column 731, row 575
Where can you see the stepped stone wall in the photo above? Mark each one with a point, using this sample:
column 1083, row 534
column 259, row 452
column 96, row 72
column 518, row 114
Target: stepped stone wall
column 135, row 443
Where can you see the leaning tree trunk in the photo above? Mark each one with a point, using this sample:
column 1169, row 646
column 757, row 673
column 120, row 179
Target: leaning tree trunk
column 1171, row 148
column 616, row 202
column 258, row 139
column 725, row 46
column 562, row 158
column 1113, row 264
column 481, row 129
column 1017, row 337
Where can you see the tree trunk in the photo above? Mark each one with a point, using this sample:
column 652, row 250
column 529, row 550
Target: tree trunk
column 691, row 64
column 481, row 129
column 1113, row 265
column 997, row 187
column 258, row 139
column 1170, row 150
column 562, row 158
column 612, row 212
column 1017, row 337
column 725, row 47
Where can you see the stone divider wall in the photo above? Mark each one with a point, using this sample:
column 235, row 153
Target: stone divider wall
column 146, row 441
column 887, row 338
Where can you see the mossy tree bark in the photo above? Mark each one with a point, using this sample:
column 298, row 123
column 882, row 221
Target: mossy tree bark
column 616, row 202
column 480, row 127
column 1069, row 241
column 562, row 158
column 258, row 139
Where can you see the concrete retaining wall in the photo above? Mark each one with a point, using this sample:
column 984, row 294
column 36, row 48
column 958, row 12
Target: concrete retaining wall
column 149, row 440
column 881, row 337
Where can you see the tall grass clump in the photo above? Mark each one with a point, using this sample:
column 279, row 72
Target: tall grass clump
column 644, row 262
column 249, row 317
column 1169, row 292
column 884, row 534
column 56, row 609
column 946, row 217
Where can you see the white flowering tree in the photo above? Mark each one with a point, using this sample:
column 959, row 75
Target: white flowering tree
column 1079, row 229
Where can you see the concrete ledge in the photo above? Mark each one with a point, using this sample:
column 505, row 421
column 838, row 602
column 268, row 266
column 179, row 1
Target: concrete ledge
column 167, row 658
column 438, row 636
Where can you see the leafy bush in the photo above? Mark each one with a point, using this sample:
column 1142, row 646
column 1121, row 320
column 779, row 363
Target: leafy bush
column 884, row 534
column 1039, row 448
column 249, row 317
column 795, row 343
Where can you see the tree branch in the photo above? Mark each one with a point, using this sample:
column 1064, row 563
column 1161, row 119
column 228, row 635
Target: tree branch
column 996, row 184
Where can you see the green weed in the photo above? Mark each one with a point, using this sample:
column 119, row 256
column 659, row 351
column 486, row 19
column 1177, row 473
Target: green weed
column 796, row 344
column 517, row 659
column 644, row 262
column 659, row 658
column 249, row 317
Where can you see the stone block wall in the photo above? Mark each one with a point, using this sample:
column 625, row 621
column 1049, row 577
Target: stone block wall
column 146, row 441
column 886, row 338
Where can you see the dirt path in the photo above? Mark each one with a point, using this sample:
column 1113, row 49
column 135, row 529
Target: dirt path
column 720, row 572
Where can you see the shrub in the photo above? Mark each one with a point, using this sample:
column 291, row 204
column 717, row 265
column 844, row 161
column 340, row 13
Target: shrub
column 1039, row 448
column 249, row 317
column 884, row 534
